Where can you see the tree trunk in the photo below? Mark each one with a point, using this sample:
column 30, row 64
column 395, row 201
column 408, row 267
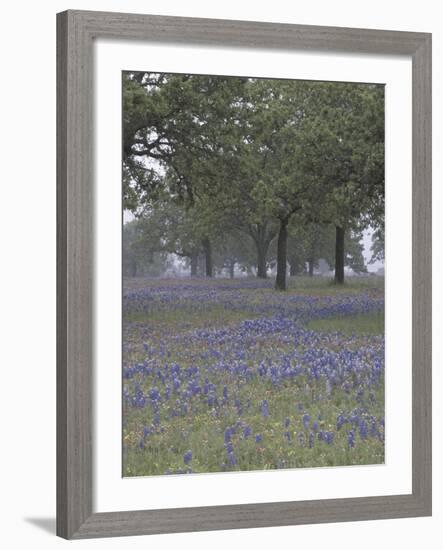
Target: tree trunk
column 311, row 267
column 280, row 280
column 262, row 238
column 208, row 256
column 339, row 255
column 295, row 267
column 231, row 269
column 194, row 264
column 261, row 260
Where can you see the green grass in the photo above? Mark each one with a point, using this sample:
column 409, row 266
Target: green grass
column 326, row 285
column 371, row 324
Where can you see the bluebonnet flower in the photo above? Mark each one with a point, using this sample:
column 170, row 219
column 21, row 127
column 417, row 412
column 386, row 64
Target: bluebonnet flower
column 228, row 434
column 351, row 438
column 212, row 400
column 229, row 448
column 187, row 457
column 306, row 420
column 258, row 438
column 340, row 421
column 247, row 431
column 363, row 429
column 154, row 394
column 231, row 459
column 264, row 408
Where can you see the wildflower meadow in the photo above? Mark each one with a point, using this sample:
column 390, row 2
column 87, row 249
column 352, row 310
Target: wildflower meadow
column 228, row 375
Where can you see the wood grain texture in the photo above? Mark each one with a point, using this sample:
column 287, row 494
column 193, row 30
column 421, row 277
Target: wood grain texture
column 74, row 290
column 241, row 516
column 246, row 33
column 422, row 272
column 76, row 31
column 62, row 364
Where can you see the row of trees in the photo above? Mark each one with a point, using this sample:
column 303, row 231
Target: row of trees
column 244, row 171
column 148, row 251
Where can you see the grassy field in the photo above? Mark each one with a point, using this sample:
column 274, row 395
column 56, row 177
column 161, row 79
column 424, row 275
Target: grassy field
column 222, row 375
column 369, row 323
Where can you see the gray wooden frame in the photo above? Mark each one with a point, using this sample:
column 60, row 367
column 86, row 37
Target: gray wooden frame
column 76, row 31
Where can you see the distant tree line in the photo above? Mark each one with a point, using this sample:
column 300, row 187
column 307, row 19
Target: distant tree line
column 244, row 173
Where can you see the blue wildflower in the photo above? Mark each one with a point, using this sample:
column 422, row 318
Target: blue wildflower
column 187, row 457
column 264, row 408
column 228, row 434
column 232, row 461
column 340, row 421
column 247, row 431
column 311, row 440
column 351, row 438
column 363, row 429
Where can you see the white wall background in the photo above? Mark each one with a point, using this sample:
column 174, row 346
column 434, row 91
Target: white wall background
column 27, row 296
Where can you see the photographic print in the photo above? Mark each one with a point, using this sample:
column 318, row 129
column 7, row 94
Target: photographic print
column 253, row 274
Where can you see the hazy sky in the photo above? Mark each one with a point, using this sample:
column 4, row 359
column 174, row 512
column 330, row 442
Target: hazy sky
column 367, row 242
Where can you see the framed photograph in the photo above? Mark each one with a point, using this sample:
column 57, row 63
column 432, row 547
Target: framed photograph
column 243, row 274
